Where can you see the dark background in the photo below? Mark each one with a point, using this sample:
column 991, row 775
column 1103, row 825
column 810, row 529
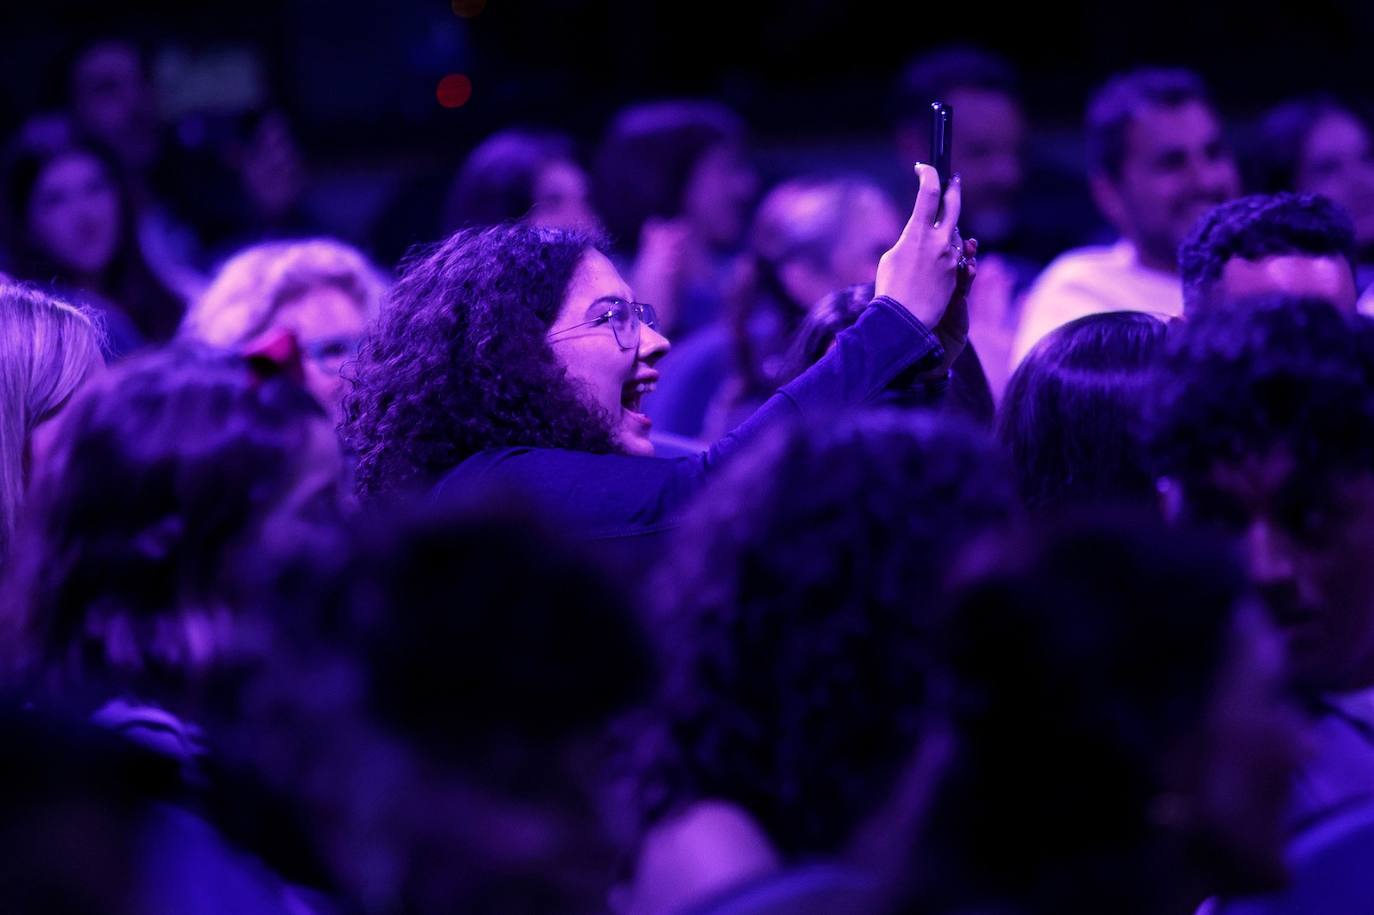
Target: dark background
column 812, row 77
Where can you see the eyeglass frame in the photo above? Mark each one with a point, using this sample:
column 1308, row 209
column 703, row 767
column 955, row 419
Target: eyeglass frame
column 641, row 313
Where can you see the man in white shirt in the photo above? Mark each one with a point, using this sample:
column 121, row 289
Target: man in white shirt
column 1158, row 161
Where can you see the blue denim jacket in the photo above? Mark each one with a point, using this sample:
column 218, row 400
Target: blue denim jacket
column 612, row 496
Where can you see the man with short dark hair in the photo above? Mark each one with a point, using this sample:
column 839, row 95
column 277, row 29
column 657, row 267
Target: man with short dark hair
column 1157, row 162
column 1263, row 425
column 1299, row 244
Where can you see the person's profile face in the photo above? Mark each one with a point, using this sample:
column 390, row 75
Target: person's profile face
column 612, row 378
column 1337, row 161
column 73, row 214
column 1309, row 545
column 1176, row 167
column 1303, row 275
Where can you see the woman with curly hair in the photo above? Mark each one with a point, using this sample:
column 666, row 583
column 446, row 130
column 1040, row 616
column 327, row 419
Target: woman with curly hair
column 516, row 356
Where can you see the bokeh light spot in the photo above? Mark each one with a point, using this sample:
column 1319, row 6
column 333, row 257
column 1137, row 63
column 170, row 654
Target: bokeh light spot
column 454, row 90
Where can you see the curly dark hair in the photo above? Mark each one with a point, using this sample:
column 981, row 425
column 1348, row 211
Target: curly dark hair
column 1070, row 417
column 459, row 360
column 1259, row 226
column 793, row 620
column 1266, row 374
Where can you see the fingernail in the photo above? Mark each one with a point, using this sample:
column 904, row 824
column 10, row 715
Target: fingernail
column 958, row 178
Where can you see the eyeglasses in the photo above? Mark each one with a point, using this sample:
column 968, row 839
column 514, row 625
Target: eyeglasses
column 624, row 318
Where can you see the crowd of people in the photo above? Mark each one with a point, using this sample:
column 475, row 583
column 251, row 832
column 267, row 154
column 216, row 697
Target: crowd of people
column 649, row 540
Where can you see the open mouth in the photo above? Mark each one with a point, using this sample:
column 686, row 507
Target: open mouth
column 632, row 396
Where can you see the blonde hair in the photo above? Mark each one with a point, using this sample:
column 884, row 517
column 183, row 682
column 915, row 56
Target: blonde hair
column 47, row 351
column 253, row 284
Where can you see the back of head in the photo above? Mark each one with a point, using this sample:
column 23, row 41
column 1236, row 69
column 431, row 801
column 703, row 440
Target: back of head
column 1255, row 228
column 254, row 283
column 1070, row 415
column 647, row 159
column 806, row 217
column 810, row 235
column 1078, row 657
column 793, row 618
column 164, row 468
column 1276, row 373
column 437, row 697
column 460, row 362
column 1116, row 103
column 497, row 181
column 47, row 351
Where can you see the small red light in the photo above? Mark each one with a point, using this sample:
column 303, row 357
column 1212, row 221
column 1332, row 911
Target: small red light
column 454, row 90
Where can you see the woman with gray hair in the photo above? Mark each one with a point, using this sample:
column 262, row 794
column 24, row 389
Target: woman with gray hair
column 320, row 291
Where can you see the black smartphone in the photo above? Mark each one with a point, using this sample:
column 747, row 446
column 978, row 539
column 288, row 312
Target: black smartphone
column 941, row 138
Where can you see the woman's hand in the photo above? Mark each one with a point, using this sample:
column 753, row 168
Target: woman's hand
column 921, row 270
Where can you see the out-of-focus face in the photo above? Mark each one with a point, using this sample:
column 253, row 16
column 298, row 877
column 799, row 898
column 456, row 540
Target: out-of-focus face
column 562, row 199
column 612, row 378
column 1252, row 740
column 719, row 194
column 1304, row 275
column 113, row 102
column 1177, row 166
column 327, row 323
column 988, row 152
column 1337, row 161
column 73, row 214
column 1310, row 549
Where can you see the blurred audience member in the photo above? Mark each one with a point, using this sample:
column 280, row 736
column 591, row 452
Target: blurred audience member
column 48, row 350
column 1122, row 736
column 810, row 237
column 673, row 183
column 794, row 617
column 989, row 147
column 521, row 175
column 323, row 292
column 123, row 595
column 1323, row 145
column 1263, row 425
column 1071, row 416
column 71, row 227
column 1157, row 161
column 967, row 391
column 1298, row 244
column 437, row 696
